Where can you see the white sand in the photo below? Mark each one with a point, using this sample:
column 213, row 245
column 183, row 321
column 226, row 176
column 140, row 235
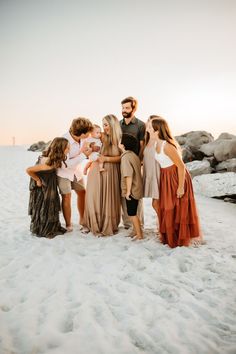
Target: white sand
column 79, row 294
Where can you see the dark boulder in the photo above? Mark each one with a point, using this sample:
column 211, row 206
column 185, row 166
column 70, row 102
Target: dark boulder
column 39, row 146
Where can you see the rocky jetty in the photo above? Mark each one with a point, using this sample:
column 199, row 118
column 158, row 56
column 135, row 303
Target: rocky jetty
column 211, row 163
column 191, row 143
column 39, row 146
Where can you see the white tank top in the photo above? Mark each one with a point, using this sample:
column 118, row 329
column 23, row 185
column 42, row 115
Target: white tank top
column 162, row 158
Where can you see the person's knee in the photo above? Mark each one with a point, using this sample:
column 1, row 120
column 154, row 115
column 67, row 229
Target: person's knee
column 133, row 218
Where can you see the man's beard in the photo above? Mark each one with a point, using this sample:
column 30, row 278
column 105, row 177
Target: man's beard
column 127, row 115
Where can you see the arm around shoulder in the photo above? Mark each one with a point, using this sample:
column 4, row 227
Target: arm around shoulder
column 113, row 159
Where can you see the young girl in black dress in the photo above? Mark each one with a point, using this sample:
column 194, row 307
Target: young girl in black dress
column 44, row 202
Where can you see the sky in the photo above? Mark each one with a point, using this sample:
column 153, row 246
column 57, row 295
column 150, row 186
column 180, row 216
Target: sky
column 66, row 59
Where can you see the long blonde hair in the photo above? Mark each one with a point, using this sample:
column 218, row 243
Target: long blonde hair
column 115, row 132
column 55, row 153
column 160, row 124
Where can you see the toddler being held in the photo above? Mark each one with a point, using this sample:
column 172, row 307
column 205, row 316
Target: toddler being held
column 94, row 141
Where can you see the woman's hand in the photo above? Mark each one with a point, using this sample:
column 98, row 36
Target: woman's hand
column 127, row 196
column 39, row 183
column 180, row 192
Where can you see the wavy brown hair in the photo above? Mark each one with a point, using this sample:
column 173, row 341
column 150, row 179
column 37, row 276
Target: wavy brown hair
column 55, row 153
column 160, row 124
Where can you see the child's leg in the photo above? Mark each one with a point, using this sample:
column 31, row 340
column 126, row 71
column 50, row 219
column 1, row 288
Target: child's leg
column 137, row 227
column 101, row 167
column 132, row 206
column 87, row 167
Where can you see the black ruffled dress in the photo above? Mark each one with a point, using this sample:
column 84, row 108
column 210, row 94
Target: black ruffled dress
column 44, row 206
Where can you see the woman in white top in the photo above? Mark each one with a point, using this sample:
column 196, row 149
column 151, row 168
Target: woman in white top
column 179, row 224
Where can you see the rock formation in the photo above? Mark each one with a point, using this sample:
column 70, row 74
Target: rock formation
column 211, row 163
column 39, row 146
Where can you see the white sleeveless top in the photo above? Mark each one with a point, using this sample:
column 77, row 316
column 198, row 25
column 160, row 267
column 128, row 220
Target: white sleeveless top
column 162, row 158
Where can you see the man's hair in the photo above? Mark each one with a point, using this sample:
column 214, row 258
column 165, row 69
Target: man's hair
column 130, row 142
column 132, row 100
column 81, row 126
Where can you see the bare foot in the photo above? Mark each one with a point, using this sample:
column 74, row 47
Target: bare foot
column 69, row 228
column 137, row 238
column 158, row 236
column 196, row 242
column 131, row 234
column 85, row 230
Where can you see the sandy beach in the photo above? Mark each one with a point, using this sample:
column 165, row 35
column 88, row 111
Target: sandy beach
column 78, row 294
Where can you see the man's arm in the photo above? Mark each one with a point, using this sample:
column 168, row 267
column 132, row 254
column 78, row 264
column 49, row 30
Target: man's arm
column 75, row 160
column 141, row 150
column 142, row 131
column 114, row 159
column 85, row 151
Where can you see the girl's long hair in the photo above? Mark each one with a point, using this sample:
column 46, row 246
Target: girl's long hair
column 160, row 124
column 55, row 153
column 147, row 134
column 115, row 132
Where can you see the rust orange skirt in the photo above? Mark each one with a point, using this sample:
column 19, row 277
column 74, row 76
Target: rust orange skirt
column 179, row 221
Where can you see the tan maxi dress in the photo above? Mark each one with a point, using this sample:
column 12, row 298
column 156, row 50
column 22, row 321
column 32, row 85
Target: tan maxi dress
column 103, row 196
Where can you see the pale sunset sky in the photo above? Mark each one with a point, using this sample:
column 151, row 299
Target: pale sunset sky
column 61, row 59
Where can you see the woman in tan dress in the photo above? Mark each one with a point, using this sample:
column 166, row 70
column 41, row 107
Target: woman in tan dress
column 151, row 170
column 103, row 195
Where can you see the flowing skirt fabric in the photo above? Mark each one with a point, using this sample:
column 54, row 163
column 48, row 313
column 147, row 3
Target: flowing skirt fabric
column 179, row 222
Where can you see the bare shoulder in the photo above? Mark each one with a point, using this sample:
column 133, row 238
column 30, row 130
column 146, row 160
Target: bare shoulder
column 169, row 148
column 172, row 152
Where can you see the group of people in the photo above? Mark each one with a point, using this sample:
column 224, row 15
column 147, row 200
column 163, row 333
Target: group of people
column 128, row 161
